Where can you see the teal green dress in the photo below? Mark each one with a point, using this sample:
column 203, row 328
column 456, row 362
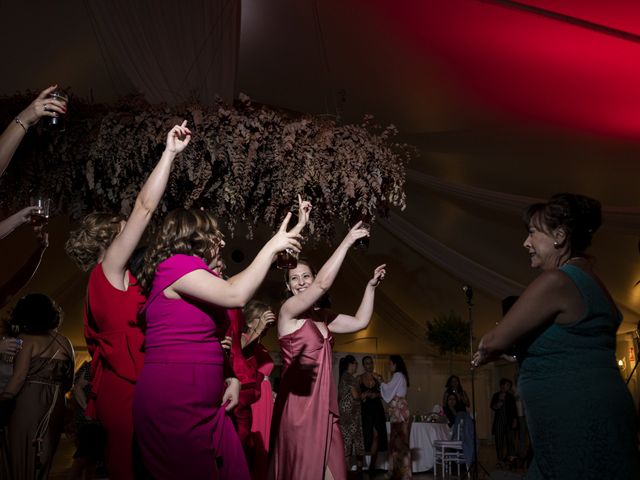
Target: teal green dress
column 581, row 417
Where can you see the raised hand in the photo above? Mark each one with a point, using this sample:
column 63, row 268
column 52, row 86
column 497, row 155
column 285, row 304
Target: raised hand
column 24, row 215
column 178, row 138
column 43, row 106
column 378, row 275
column 284, row 240
column 266, row 319
column 355, row 233
column 304, row 211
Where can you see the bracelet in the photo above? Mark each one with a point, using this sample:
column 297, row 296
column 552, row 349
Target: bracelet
column 19, row 122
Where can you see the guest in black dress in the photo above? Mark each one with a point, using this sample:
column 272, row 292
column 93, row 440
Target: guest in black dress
column 374, row 428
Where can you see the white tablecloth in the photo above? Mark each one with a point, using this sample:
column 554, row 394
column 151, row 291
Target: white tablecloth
column 421, row 441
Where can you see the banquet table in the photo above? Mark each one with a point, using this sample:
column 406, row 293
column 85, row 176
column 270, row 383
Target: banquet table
column 421, row 441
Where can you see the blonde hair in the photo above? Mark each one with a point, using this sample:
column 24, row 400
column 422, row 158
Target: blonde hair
column 188, row 232
column 254, row 309
column 92, row 238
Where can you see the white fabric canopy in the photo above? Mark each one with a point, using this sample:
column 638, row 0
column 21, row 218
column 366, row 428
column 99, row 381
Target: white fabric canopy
column 171, row 52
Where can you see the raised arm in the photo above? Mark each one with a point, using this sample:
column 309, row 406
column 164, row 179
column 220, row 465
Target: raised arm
column 349, row 324
column 206, row 287
column 17, row 129
column 540, row 304
column 118, row 253
column 266, row 319
column 304, row 211
column 303, row 301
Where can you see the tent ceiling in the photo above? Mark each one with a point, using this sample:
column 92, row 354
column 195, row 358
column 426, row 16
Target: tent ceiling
column 492, row 96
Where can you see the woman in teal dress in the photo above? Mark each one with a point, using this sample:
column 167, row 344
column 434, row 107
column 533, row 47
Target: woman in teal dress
column 564, row 326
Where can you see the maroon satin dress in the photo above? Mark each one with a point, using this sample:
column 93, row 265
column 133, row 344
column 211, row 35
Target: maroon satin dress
column 306, row 437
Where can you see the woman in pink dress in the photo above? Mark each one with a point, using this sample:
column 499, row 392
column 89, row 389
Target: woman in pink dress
column 306, row 439
column 104, row 243
column 259, row 318
column 186, row 387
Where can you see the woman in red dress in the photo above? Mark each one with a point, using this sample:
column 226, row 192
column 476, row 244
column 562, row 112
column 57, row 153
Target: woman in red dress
column 306, row 438
column 104, row 243
column 259, row 318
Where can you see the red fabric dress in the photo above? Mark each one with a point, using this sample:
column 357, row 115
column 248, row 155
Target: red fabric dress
column 246, row 372
column 114, row 340
column 306, row 437
column 262, row 412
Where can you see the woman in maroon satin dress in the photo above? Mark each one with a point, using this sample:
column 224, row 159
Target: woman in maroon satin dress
column 104, row 243
column 306, row 438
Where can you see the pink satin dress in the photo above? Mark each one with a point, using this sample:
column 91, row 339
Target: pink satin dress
column 306, row 437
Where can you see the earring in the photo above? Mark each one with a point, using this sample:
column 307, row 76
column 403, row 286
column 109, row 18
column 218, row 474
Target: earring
column 556, row 245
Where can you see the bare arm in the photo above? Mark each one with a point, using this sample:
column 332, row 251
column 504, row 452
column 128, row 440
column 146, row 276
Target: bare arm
column 208, row 288
column 355, row 393
column 304, row 211
column 302, row 302
column 541, row 304
column 20, row 369
column 118, row 253
column 349, row 324
column 9, row 224
column 15, row 132
column 266, row 319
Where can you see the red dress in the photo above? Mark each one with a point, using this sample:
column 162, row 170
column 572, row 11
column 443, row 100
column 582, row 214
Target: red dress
column 114, row 340
column 262, row 412
column 306, row 437
column 246, row 372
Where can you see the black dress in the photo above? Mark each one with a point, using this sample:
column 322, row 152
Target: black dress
column 373, row 417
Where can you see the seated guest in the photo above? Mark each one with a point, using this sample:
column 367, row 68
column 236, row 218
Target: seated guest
column 452, row 407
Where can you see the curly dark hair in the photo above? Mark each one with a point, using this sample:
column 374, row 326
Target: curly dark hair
column 94, row 235
column 580, row 216
column 36, row 314
column 184, row 231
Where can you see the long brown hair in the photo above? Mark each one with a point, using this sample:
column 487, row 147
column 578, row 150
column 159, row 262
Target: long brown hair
column 94, row 235
column 188, row 232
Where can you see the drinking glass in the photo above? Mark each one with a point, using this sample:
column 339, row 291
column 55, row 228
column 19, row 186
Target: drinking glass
column 61, row 95
column 41, row 215
column 363, row 242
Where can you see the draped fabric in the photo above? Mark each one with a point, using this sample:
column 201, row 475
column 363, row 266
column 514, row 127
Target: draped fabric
column 450, row 260
column 486, row 279
column 622, row 219
column 171, row 52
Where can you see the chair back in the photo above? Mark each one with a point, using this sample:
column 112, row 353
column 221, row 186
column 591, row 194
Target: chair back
column 457, row 429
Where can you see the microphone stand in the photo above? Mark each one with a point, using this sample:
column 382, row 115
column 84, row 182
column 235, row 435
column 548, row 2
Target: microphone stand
column 472, row 472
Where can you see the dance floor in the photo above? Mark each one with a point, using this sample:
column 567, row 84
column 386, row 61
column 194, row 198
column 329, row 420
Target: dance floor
column 486, row 454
